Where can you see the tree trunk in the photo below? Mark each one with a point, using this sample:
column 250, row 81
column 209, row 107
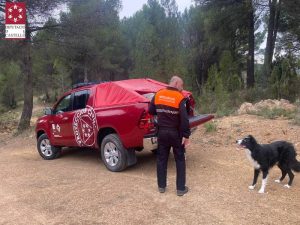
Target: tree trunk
column 13, row 102
column 62, row 84
column 271, row 39
column 47, row 96
column 268, row 50
column 85, row 73
column 198, row 85
column 48, row 81
column 250, row 58
column 276, row 24
column 28, row 87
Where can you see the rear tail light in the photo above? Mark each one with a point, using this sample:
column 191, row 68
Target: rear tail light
column 191, row 105
column 147, row 122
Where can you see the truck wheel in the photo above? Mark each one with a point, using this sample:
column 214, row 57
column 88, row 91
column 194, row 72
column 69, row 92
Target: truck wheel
column 46, row 150
column 113, row 153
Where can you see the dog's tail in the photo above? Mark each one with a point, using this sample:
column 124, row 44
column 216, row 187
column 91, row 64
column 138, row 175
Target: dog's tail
column 296, row 165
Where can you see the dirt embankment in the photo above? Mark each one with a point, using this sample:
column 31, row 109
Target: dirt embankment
column 266, row 104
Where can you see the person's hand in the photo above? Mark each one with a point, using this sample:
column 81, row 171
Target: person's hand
column 186, row 142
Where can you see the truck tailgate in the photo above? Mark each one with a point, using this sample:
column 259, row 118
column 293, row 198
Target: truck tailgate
column 199, row 119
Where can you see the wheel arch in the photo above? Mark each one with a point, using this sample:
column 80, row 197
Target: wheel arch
column 104, row 132
column 40, row 133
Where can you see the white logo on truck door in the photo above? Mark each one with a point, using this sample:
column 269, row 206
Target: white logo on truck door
column 56, row 130
column 85, row 127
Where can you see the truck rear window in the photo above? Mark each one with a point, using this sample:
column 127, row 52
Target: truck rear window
column 149, row 95
column 80, row 99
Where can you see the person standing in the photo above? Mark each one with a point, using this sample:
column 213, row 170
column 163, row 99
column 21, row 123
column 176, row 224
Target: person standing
column 169, row 105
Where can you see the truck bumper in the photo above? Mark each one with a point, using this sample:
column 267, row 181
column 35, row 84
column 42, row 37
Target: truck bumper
column 150, row 143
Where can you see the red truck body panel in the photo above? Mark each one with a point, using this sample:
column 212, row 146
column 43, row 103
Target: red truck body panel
column 117, row 105
column 124, row 120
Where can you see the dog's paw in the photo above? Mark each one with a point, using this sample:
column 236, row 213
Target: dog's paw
column 261, row 191
column 277, row 181
column 287, row 186
column 251, row 187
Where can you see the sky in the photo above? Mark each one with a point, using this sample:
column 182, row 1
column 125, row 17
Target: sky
column 131, row 6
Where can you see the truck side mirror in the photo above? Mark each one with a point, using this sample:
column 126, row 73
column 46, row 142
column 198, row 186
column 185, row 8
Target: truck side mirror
column 48, row 111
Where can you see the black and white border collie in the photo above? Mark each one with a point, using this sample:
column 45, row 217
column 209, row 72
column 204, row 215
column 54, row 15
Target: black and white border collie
column 263, row 157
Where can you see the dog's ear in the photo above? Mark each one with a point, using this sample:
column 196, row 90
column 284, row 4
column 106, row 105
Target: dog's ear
column 249, row 136
column 252, row 139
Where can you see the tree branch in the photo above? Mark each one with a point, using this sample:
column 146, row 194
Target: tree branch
column 262, row 5
column 33, row 29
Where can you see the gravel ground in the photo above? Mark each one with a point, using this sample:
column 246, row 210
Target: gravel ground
column 78, row 189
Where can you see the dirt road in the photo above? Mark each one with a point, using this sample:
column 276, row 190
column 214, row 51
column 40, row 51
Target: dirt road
column 78, row 189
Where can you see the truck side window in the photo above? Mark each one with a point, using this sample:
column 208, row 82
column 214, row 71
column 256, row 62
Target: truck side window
column 64, row 105
column 80, row 99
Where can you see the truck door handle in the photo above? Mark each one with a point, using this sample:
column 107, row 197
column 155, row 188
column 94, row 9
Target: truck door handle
column 65, row 118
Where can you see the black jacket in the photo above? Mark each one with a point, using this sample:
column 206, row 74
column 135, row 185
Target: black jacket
column 170, row 107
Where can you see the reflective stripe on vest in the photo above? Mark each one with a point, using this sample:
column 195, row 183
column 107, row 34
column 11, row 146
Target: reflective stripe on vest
column 167, row 97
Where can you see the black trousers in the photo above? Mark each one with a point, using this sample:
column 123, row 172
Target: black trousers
column 168, row 138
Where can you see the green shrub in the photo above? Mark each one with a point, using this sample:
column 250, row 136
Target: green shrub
column 284, row 82
column 221, row 93
column 3, row 109
column 274, row 113
column 210, row 127
column 296, row 119
column 214, row 96
column 9, row 84
column 255, row 94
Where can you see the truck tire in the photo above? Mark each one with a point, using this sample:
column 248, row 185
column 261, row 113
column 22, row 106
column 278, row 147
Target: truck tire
column 45, row 149
column 113, row 153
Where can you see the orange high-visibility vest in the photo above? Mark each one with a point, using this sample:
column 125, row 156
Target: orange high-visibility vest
column 167, row 103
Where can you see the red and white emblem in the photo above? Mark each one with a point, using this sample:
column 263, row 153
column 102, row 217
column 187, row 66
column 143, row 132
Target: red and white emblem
column 85, row 127
column 15, row 20
column 15, row 13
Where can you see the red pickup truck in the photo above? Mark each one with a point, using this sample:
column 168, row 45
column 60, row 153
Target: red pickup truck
column 112, row 116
